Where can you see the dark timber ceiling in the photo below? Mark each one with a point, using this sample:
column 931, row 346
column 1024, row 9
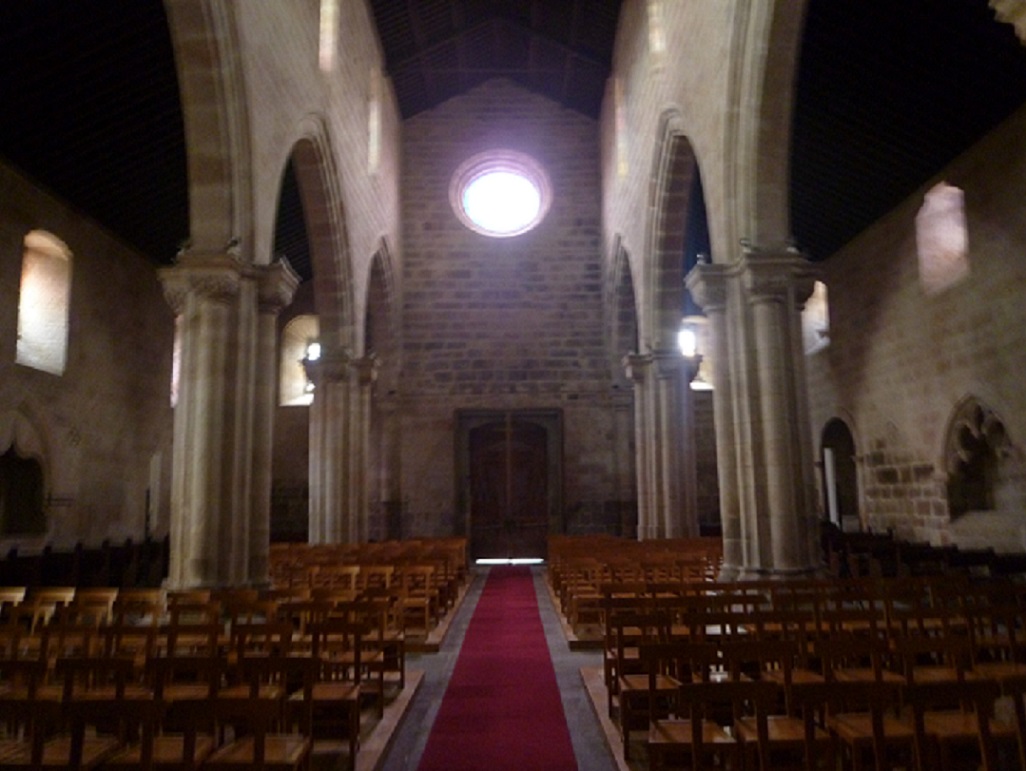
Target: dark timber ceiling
column 889, row 91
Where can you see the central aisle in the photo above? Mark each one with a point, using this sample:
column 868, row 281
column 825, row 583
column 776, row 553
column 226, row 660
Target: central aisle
column 502, row 707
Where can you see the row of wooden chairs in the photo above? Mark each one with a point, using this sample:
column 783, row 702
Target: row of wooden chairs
column 778, row 719
column 99, row 715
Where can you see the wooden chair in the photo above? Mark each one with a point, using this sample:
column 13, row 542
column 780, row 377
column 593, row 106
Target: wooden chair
column 1013, row 686
column 934, row 658
column 856, row 658
column 34, row 741
column 953, row 714
column 864, row 717
column 702, row 737
column 256, row 746
column 339, row 645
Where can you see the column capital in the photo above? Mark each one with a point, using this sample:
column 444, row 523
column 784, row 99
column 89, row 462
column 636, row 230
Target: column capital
column 213, row 275
column 332, row 367
column 366, row 369
column 775, row 274
column 636, row 365
column 707, row 283
column 276, row 285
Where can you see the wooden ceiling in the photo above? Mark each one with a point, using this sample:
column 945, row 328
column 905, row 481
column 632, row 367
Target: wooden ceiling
column 888, row 94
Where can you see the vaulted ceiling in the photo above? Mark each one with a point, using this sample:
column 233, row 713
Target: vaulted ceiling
column 888, row 93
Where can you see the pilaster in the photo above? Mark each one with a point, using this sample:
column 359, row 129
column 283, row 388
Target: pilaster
column 329, row 447
column 637, row 367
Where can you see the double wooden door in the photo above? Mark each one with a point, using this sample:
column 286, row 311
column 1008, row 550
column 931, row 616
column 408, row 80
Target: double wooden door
column 510, row 496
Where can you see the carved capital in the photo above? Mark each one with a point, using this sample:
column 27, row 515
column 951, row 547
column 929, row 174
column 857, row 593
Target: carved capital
column 776, row 275
column 211, row 275
column 708, row 286
column 366, row 370
column 276, row 286
column 332, row 367
column 1011, row 12
column 636, row 365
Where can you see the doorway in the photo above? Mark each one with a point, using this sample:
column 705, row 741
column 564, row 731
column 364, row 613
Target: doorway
column 510, row 481
column 840, row 476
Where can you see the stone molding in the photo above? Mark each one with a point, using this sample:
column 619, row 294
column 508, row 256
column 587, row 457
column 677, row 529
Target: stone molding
column 215, row 276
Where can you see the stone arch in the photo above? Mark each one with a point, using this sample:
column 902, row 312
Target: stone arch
column 984, row 470
column 320, row 192
column 838, row 459
column 24, row 437
column 381, row 332
column 672, row 184
column 383, row 342
column 622, row 314
column 214, row 112
column 767, row 41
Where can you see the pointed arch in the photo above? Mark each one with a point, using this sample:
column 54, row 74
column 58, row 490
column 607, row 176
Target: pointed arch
column 767, row 41
column 318, row 179
column 672, row 185
column 622, row 303
column 215, row 119
column 381, row 324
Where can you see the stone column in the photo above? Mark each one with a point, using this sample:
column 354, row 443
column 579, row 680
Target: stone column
column 329, row 447
column 637, row 367
column 389, row 468
column 676, row 503
column 277, row 285
column 776, row 283
column 708, row 286
column 364, row 373
column 221, row 456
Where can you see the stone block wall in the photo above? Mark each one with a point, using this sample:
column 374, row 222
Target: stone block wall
column 511, row 323
column 901, row 361
column 98, row 427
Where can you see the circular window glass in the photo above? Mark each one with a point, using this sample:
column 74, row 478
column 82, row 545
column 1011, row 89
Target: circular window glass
column 500, row 193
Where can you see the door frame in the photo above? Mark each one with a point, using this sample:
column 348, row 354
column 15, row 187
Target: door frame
column 550, row 420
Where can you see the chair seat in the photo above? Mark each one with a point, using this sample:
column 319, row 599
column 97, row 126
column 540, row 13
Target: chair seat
column 635, row 683
column 783, row 731
column 854, row 727
column 57, row 752
column 867, row 675
column 666, row 733
column 242, row 690
column 280, row 751
column 330, row 691
column 956, row 725
column 168, row 752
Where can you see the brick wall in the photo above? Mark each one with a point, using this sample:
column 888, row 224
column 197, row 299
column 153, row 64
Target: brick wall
column 505, row 323
column 900, row 361
column 103, row 420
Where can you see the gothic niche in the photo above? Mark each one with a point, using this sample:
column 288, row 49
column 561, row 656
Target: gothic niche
column 21, row 495
column 977, row 445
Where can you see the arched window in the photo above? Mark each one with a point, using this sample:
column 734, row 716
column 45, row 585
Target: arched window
column 299, row 335
column 941, row 238
column 43, row 303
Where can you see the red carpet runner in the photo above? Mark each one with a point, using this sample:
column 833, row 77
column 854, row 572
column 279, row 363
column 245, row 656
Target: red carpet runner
column 502, row 708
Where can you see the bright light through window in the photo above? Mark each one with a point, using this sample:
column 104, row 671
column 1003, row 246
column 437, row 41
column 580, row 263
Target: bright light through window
column 502, row 201
column 500, row 193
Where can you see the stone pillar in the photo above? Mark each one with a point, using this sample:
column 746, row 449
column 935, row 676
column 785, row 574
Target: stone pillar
column 676, row 501
column 329, row 447
column 763, row 443
column 222, row 429
column 637, row 366
column 364, row 373
column 708, row 286
column 277, row 285
column 389, row 470
column 776, row 285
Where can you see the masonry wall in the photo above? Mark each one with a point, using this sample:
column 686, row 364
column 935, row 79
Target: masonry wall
column 96, row 428
column 900, row 361
column 506, row 323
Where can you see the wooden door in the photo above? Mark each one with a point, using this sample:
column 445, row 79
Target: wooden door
column 509, row 489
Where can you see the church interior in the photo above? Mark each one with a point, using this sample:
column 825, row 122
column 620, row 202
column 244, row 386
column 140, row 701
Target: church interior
column 751, row 293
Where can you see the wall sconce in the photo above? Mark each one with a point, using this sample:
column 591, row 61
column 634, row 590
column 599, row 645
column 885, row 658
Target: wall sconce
column 693, row 339
column 312, row 353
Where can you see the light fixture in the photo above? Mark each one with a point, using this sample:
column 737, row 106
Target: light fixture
column 693, row 341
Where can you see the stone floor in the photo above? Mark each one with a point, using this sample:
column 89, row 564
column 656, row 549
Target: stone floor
column 398, row 740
